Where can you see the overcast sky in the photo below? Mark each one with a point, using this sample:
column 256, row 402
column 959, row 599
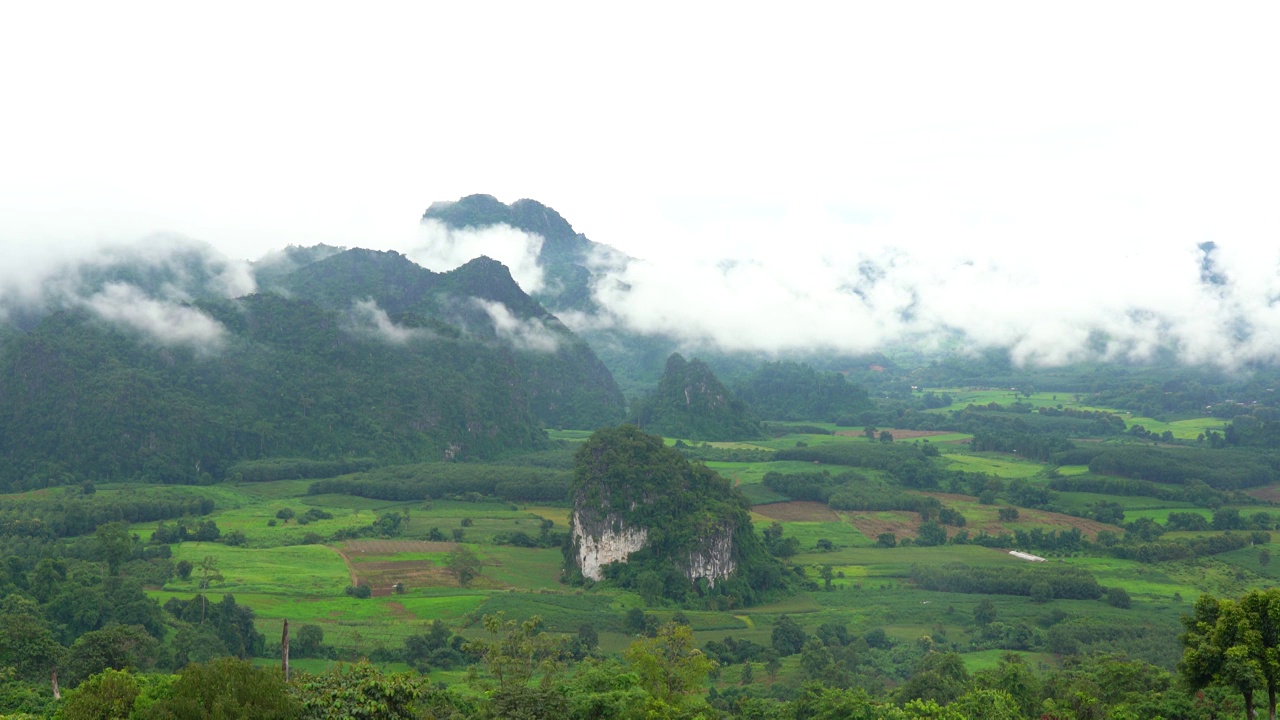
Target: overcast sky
column 991, row 152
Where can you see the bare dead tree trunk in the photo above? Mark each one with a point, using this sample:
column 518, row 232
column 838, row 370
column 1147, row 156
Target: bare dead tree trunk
column 284, row 650
column 56, row 694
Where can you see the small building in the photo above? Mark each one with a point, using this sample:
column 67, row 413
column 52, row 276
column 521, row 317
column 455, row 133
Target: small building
column 1026, row 556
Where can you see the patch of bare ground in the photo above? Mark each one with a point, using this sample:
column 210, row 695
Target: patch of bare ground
column 1026, row 516
column 797, row 511
column 905, row 524
column 356, row 548
column 400, row 611
column 382, row 577
column 350, row 570
column 1090, row 528
column 1270, row 493
column 902, row 525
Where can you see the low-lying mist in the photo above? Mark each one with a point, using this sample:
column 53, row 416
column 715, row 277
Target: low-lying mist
column 1206, row 303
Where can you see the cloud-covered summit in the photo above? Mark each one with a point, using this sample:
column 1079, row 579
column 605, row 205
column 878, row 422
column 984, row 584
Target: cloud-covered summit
column 844, row 289
column 146, row 286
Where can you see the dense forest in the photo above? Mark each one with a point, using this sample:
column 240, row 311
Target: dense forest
column 567, row 384
column 690, row 402
column 786, row 390
column 300, row 376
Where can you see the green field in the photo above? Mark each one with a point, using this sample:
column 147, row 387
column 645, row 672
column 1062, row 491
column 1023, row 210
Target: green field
column 281, row 578
column 989, row 659
column 1130, row 503
column 964, row 397
column 298, row 570
column 1182, row 429
column 1185, row 429
column 751, row 473
column 1000, row 465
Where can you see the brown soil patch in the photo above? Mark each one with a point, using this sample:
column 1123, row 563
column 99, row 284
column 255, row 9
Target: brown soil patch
column 906, row 526
column 1090, row 528
column 1270, row 493
column 948, row 498
column 400, row 611
column 382, row 576
column 797, row 511
column 355, row 548
column 350, row 570
column 1026, row 517
column 899, row 434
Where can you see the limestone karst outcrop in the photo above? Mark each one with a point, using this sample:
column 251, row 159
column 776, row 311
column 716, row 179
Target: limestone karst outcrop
column 634, row 499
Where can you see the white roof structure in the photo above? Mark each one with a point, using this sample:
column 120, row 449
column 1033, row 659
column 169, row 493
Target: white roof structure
column 1026, row 556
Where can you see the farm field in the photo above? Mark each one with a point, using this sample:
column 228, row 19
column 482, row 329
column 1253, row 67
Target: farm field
column 999, row 465
column 963, row 397
column 754, row 472
column 288, row 569
column 1130, row 503
column 870, row 587
column 306, row 583
column 1182, row 429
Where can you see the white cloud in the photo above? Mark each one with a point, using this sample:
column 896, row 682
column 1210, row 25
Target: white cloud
column 164, row 322
column 1027, row 175
column 528, row 334
column 797, row 288
column 366, row 315
column 181, row 269
column 442, row 248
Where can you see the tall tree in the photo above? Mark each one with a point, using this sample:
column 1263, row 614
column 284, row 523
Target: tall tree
column 463, row 565
column 1261, row 610
column 114, row 545
column 669, row 665
column 228, row 689
column 357, row 692
column 1224, row 644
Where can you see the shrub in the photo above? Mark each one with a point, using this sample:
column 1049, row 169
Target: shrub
column 1118, row 597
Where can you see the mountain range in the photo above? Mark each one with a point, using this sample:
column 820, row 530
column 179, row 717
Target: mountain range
column 351, row 353
column 173, row 365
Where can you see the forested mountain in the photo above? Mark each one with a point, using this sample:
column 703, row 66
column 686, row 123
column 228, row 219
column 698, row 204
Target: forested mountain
column 83, row 400
column 272, row 267
column 571, row 263
column 690, row 402
column 788, row 390
column 568, row 385
column 369, row 356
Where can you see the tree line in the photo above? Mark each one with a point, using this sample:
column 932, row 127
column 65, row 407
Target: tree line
column 80, row 511
column 442, row 480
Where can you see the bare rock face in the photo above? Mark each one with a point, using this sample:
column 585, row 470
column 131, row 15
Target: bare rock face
column 713, row 558
column 604, row 541
column 599, row 541
column 632, row 493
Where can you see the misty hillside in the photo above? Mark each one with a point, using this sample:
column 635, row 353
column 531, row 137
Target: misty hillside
column 567, row 384
column 573, row 265
column 566, row 256
column 368, row 356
